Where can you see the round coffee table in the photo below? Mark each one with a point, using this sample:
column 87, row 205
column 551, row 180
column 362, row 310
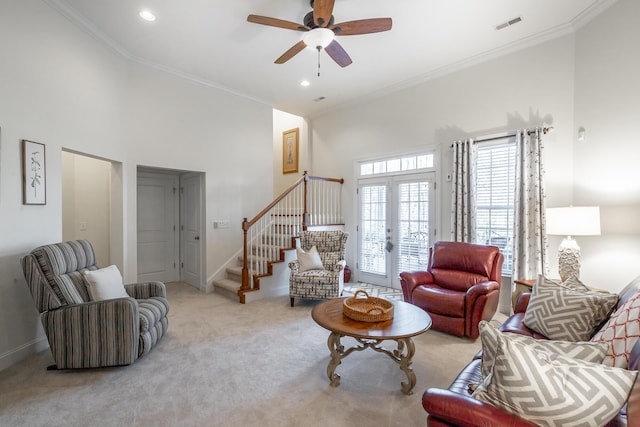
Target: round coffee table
column 407, row 322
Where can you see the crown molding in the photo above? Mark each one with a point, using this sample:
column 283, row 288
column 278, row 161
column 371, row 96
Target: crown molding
column 76, row 18
column 591, row 12
column 483, row 57
column 586, row 16
column 62, row 7
column 582, row 19
column 196, row 79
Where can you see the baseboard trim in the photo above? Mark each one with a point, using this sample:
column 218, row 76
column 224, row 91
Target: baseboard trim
column 15, row 355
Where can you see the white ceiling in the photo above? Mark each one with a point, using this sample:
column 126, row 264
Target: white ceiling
column 211, row 41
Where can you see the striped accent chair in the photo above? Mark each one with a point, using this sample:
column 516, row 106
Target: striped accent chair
column 90, row 334
column 325, row 283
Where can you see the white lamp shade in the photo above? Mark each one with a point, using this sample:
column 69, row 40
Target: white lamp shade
column 318, row 37
column 574, row 221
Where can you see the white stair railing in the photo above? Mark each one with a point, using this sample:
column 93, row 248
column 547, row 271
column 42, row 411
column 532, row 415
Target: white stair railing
column 310, row 201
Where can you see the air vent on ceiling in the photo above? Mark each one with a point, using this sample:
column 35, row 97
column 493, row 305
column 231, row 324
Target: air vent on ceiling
column 509, row 23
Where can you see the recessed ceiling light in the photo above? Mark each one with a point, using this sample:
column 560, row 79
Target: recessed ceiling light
column 147, row 15
column 305, row 83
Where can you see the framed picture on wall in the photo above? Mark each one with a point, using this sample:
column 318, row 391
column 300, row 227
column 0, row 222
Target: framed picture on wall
column 34, row 173
column 290, row 151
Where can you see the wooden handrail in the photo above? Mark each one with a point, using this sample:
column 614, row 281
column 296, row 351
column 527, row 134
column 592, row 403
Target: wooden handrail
column 247, row 224
column 305, row 177
column 320, row 178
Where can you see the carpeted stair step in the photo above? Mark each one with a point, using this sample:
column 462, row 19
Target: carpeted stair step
column 234, row 273
column 227, row 287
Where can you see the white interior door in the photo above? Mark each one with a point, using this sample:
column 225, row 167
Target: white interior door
column 157, row 227
column 395, row 228
column 191, row 229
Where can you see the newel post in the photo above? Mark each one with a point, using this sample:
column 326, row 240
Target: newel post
column 305, row 213
column 245, row 265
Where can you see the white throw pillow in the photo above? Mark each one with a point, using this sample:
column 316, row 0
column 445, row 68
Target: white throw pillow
column 309, row 260
column 105, row 283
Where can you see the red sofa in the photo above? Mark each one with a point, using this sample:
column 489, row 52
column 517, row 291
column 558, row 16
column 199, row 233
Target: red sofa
column 455, row 406
column 460, row 288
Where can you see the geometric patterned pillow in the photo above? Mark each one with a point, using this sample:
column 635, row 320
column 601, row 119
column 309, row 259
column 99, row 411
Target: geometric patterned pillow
column 552, row 390
column 587, row 351
column 567, row 311
column 621, row 332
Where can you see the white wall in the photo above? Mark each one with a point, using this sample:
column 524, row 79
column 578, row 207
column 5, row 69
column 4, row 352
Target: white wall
column 282, row 122
column 522, row 90
column 606, row 171
column 85, row 203
column 58, row 87
column 63, row 88
column 178, row 124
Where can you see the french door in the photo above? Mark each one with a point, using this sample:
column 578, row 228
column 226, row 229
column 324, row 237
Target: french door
column 396, row 227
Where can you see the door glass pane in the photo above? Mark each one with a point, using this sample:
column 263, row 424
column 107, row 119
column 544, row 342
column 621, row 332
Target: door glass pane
column 373, row 222
column 413, row 226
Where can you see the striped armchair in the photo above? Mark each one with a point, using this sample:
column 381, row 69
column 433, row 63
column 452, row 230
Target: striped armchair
column 319, row 284
column 90, row 334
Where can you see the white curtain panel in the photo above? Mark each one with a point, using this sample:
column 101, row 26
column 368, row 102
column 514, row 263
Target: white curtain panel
column 530, row 238
column 463, row 202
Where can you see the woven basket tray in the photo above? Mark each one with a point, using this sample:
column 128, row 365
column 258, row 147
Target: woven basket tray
column 367, row 309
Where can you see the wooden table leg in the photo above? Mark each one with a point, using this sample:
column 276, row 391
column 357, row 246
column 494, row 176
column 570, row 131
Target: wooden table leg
column 404, row 356
column 336, row 349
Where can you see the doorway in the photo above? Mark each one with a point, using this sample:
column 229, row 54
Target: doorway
column 396, row 226
column 91, row 204
column 170, row 226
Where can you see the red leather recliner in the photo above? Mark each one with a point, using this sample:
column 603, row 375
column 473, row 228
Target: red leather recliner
column 460, row 288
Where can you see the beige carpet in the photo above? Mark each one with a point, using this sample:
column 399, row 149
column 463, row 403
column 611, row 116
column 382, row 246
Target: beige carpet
column 373, row 290
column 226, row 364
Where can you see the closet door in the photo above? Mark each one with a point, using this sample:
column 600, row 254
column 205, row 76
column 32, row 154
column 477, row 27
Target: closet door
column 157, row 228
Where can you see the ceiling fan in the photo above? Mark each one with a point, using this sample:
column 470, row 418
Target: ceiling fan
column 320, row 30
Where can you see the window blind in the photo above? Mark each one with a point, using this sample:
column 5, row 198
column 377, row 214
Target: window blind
column 495, row 197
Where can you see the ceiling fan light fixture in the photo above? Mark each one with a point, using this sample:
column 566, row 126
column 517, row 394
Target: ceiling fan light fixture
column 318, row 37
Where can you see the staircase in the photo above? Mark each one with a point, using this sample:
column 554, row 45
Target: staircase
column 270, row 237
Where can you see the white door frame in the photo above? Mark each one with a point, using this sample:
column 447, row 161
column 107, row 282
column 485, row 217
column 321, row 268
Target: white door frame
column 390, row 278
column 199, row 280
column 192, row 231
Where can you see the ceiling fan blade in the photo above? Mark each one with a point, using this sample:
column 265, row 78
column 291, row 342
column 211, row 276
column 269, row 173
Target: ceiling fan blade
column 322, row 10
column 338, row 54
column 274, row 22
column 293, row 51
column 362, row 26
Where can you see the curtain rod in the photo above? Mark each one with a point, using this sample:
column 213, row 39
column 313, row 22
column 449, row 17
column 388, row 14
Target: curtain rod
column 512, row 134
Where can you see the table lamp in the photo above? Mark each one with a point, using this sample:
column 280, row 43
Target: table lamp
column 572, row 221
